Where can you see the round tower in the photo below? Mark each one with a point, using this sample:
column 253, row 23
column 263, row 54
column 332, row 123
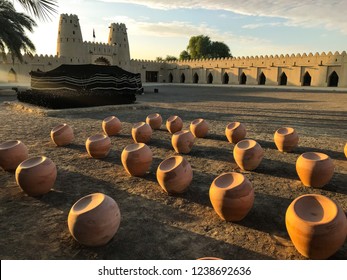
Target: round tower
column 118, row 37
column 69, row 42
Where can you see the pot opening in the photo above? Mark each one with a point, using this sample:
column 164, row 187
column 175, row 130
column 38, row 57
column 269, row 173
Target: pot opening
column 315, row 208
column 59, row 127
column 285, row 130
column 170, row 163
column 233, row 125
column 229, row 180
column 172, row 118
column 197, row 121
column 134, row 147
column 153, row 116
column 88, row 202
column 246, row 144
column 32, row 162
column 139, row 124
column 315, row 156
column 9, row 144
column 97, row 137
column 110, row 118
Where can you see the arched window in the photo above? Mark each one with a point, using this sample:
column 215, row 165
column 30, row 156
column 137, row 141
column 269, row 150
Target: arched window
column 12, row 76
column 209, row 78
column 243, row 79
column 306, row 80
column 195, row 78
column 283, row 79
column 262, row 79
column 183, row 78
column 170, row 78
column 102, row 61
column 225, row 78
column 333, row 79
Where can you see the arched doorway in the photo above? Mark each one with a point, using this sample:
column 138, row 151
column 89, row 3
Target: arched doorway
column 12, row 76
column 195, row 78
column 225, row 78
column 102, row 61
column 170, row 78
column 183, row 78
column 283, row 79
column 243, row 79
column 262, row 79
column 333, row 79
column 307, row 79
column 209, row 78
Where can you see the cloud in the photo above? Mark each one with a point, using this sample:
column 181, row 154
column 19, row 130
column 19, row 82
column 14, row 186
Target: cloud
column 309, row 13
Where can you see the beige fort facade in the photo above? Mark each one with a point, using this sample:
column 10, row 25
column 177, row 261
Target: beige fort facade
column 316, row 70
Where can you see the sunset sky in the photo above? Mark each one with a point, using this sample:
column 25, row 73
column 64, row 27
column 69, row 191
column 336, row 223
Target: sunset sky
column 248, row 27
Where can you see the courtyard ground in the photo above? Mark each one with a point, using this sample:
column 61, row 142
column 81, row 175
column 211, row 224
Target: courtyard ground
column 155, row 225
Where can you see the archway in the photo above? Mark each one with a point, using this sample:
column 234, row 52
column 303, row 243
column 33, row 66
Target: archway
column 102, row 61
column 183, row 78
column 262, row 79
column 195, row 78
column 225, row 78
column 283, row 79
column 209, row 78
column 243, row 79
column 12, row 76
column 307, row 79
column 333, row 79
column 170, row 78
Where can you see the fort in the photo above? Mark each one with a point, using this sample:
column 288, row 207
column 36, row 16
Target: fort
column 316, row 70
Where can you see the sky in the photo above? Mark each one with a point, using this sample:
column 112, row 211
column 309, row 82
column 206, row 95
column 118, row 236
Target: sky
column 157, row 28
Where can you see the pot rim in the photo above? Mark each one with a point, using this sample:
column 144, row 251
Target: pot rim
column 110, row 118
column 153, row 116
column 249, row 142
column 314, row 156
column 33, row 162
column 283, row 131
column 60, row 127
column 171, row 166
column 173, row 118
column 237, row 179
column 233, row 125
column 134, row 147
column 87, row 203
column 197, row 121
column 9, row 144
column 332, row 206
column 97, row 137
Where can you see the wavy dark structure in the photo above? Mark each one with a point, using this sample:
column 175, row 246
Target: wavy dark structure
column 84, row 85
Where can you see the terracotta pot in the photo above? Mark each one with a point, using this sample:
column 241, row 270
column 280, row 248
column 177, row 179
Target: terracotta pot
column 235, row 132
column 141, row 132
column 345, row 150
column 248, row 154
column 174, row 124
column 111, row 126
column 62, row 135
column 137, row 159
column 316, row 225
column 98, row 146
column 154, row 120
column 314, row 169
column 12, row 153
column 94, row 219
column 232, row 196
column 174, row 174
column 36, row 176
column 199, row 128
column 286, row 139
column 182, row 141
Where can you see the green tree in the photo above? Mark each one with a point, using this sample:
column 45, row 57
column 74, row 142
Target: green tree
column 184, row 55
column 14, row 24
column 170, row 58
column 202, row 47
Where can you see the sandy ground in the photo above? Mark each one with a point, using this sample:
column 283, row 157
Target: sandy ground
column 155, row 225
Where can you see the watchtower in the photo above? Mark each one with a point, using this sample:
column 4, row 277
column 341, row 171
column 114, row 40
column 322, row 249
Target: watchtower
column 118, row 36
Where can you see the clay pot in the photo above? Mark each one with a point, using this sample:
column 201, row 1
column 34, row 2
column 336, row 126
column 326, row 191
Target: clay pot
column 98, row 146
column 345, row 150
column 314, row 169
column 316, row 225
column 111, row 126
column 62, row 135
column 36, row 176
column 199, row 128
column 94, row 219
column 137, row 159
column 235, row 132
column 141, row 132
column 286, row 139
column 174, row 174
column 154, row 120
column 232, row 196
column 182, row 141
column 174, row 124
column 12, row 153
column 248, row 154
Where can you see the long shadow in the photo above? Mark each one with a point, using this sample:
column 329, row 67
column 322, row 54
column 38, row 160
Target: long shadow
column 218, row 137
column 277, row 168
column 210, row 152
column 333, row 154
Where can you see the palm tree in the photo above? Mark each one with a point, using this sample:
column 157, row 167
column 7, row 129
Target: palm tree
column 13, row 25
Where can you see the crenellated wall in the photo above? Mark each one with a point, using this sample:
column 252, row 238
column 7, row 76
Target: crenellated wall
column 319, row 69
